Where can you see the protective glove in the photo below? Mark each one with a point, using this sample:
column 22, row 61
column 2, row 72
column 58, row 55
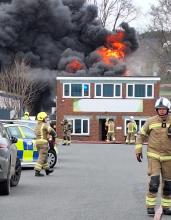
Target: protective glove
column 139, row 157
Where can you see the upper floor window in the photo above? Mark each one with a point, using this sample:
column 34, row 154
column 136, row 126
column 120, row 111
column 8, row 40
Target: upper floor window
column 140, row 90
column 108, row 90
column 76, row 90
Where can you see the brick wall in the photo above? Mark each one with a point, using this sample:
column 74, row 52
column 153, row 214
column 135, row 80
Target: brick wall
column 65, row 107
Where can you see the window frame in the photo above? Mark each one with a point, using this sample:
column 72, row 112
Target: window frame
column 114, row 90
column 82, row 95
column 25, row 133
column 82, row 119
column 136, row 119
column 146, row 87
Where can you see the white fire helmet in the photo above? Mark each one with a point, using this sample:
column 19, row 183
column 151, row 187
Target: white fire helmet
column 162, row 102
column 132, row 118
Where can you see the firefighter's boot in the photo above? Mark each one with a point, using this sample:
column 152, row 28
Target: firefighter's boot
column 150, row 211
column 37, row 173
column 166, row 211
column 48, row 171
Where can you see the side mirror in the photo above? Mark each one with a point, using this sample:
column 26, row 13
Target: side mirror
column 13, row 140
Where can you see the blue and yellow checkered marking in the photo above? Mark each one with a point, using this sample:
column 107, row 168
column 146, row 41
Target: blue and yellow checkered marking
column 26, row 150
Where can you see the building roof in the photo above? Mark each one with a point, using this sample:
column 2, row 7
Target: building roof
column 109, row 78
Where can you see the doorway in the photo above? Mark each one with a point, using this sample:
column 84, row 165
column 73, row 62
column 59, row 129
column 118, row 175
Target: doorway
column 102, row 130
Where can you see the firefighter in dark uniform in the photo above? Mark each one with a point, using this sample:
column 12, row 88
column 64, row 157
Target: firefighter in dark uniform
column 67, row 130
column 43, row 131
column 158, row 131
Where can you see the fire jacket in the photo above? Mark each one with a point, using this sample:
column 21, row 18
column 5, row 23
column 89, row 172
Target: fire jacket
column 42, row 131
column 67, row 127
column 159, row 144
column 132, row 127
column 110, row 126
column 25, row 117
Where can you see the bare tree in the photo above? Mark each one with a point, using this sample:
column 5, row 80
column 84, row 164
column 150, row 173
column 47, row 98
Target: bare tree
column 161, row 24
column 160, row 16
column 18, row 91
column 114, row 12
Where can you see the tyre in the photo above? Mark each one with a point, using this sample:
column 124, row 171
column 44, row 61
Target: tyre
column 16, row 177
column 5, row 187
column 52, row 158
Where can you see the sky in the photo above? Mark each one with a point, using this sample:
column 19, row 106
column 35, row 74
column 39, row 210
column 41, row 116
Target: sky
column 143, row 19
column 144, row 5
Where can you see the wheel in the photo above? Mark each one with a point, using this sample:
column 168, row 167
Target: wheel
column 16, row 177
column 52, row 158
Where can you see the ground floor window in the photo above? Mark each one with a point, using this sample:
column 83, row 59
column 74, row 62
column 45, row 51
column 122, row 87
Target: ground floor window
column 80, row 126
column 140, row 122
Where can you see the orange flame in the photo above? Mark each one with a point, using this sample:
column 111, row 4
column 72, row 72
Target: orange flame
column 74, row 66
column 115, row 48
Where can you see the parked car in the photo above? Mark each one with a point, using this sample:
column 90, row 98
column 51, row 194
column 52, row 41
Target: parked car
column 26, row 149
column 29, row 123
column 10, row 165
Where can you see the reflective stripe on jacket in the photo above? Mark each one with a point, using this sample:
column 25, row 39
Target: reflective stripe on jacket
column 132, row 127
column 159, row 144
column 42, row 131
column 111, row 126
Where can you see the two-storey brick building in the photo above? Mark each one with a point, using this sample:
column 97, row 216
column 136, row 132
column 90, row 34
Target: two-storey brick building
column 88, row 101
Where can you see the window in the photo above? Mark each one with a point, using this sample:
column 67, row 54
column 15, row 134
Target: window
column 77, row 126
column 139, row 122
column 76, row 90
column 98, row 90
column 149, row 91
column 14, row 131
column 108, row 90
column 66, row 90
column 28, row 133
column 140, row 90
column 80, row 126
column 130, row 90
column 117, row 90
column 85, row 90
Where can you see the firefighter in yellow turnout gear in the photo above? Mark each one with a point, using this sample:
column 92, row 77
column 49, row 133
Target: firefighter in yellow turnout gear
column 26, row 116
column 131, row 131
column 43, row 130
column 110, row 126
column 158, row 131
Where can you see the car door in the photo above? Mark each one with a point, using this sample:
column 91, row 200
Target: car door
column 28, row 136
column 13, row 149
column 13, row 131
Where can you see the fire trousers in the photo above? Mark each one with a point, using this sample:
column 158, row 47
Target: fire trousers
column 110, row 136
column 160, row 174
column 67, row 137
column 130, row 138
column 42, row 162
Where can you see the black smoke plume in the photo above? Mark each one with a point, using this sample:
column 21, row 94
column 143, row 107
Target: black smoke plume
column 51, row 33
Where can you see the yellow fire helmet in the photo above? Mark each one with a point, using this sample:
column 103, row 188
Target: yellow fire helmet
column 26, row 113
column 41, row 116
